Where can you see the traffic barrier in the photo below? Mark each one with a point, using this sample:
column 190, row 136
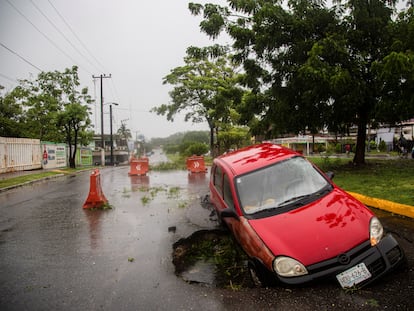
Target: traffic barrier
column 138, row 166
column 195, row 164
column 96, row 198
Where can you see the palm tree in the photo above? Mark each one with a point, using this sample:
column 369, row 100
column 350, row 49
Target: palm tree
column 124, row 133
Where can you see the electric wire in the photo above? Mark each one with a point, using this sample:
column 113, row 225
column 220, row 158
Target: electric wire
column 21, row 57
column 63, row 35
column 44, row 35
column 77, row 37
column 113, row 88
column 8, row 78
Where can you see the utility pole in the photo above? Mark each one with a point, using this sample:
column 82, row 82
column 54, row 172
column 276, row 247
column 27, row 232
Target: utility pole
column 101, row 77
column 112, row 141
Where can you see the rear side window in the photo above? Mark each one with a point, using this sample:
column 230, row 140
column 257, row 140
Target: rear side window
column 218, row 181
column 228, row 198
column 222, row 184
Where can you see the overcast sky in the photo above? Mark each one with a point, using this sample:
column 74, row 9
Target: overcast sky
column 136, row 42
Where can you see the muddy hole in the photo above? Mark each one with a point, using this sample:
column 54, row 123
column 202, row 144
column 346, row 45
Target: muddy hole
column 212, row 258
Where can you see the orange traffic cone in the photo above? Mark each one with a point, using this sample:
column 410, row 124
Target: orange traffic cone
column 96, row 198
column 195, row 164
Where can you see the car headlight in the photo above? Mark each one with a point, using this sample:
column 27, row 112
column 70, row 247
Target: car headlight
column 376, row 231
column 288, row 267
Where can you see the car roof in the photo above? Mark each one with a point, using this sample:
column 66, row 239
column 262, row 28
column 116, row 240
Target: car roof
column 254, row 157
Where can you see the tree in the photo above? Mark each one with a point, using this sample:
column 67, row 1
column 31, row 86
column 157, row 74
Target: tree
column 310, row 67
column 74, row 121
column 396, row 73
column 124, row 133
column 54, row 109
column 234, row 138
column 196, row 136
column 205, row 88
column 11, row 116
column 272, row 42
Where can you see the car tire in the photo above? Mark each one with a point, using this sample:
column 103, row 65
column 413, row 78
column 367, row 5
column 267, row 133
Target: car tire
column 259, row 275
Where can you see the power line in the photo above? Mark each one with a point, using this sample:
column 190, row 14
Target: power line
column 62, row 34
column 76, row 36
column 8, row 78
column 21, row 57
column 43, row 34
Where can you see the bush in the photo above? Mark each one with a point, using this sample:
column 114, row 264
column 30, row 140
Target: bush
column 372, row 145
column 338, row 148
column 196, row 149
column 320, row 148
column 382, row 146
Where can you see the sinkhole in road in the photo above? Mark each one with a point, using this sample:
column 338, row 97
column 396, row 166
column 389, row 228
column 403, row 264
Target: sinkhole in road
column 212, row 258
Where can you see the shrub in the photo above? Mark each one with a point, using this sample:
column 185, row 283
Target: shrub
column 196, row 149
column 382, row 146
column 338, row 148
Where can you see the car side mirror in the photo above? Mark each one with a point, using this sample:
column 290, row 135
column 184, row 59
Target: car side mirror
column 229, row 212
column 330, row 175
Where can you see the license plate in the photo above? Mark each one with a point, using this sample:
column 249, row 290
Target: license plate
column 353, row 276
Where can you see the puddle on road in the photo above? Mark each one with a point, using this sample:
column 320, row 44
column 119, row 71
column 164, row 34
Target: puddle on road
column 212, row 258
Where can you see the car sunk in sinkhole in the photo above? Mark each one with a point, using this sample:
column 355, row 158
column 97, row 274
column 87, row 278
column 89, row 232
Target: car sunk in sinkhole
column 294, row 223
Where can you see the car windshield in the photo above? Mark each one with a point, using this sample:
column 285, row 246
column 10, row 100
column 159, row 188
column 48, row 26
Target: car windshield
column 283, row 184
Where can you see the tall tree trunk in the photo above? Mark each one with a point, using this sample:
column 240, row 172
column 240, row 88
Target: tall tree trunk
column 212, row 141
column 72, row 159
column 359, row 157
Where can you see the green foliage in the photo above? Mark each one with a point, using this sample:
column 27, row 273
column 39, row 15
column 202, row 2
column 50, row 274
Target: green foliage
column 123, row 131
column 196, row 149
column 338, row 148
column 310, row 67
column 196, row 136
column 205, row 88
column 171, row 149
column 186, row 144
column 49, row 108
column 382, row 146
column 233, row 138
column 372, row 145
column 11, row 114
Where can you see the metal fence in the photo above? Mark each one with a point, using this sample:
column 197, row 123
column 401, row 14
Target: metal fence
column 19, row 154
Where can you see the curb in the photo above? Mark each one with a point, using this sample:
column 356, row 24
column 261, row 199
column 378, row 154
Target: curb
column 31, row 182
column 396, row 208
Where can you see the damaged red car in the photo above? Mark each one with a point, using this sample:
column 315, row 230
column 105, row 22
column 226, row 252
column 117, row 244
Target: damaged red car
column 294, row 223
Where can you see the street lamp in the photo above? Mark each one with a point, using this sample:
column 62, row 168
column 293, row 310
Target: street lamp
column 110, row 124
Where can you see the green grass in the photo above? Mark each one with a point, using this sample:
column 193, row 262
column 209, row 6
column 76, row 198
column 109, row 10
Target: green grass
column 4, row 183
column 386, row 179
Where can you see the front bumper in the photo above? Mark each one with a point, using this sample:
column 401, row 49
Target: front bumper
column 379, row 259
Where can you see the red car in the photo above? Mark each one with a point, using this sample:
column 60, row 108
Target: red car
column 294, row 223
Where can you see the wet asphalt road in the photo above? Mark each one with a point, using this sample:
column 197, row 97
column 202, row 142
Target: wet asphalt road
column 54, row 255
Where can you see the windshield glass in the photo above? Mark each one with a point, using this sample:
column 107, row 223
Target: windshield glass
column 278, row 185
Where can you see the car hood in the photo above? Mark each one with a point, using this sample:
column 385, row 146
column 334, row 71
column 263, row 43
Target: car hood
column 318, row 231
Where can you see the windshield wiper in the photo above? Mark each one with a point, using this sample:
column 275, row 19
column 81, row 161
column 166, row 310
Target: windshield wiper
column 294, row 199
column 324, row 190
